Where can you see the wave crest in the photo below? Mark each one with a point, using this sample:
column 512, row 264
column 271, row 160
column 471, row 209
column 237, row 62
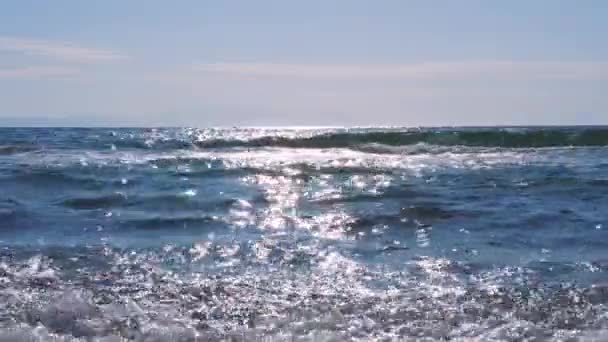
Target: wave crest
column 508, row 138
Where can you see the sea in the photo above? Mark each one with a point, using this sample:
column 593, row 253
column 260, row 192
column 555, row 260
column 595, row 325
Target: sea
column 304, row 234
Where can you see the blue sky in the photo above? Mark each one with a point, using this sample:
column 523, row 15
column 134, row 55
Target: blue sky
column 209, row 63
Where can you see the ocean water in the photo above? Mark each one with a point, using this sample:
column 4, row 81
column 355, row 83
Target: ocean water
column 183, row 234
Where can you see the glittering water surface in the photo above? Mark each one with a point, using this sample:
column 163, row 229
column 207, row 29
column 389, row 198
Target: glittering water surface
column 303, row 234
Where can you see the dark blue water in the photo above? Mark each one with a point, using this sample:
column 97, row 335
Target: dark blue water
column 304, row 234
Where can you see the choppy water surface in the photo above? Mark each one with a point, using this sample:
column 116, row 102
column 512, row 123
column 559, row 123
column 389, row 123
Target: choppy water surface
column 304, row 235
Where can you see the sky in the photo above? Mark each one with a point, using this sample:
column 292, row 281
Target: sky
column 303, row 63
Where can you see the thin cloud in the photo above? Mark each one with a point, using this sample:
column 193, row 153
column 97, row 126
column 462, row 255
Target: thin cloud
column 417, row 71
column 38, row 72
column 59, row 50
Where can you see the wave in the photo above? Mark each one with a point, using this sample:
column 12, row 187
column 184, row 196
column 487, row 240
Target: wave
column 9, row 209
column 16, row 148
column 96, row 202
column 384, row 140
column 58, row 176
column 177, row 222
column 409, row 141
column 174, row 202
